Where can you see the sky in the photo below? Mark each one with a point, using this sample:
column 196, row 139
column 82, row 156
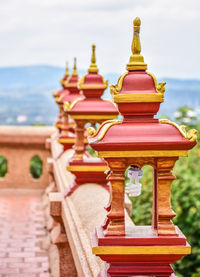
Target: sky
column 51, row 32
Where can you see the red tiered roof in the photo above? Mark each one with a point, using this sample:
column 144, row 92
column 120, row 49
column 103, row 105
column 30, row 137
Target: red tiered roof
column 138, row 97
column 62, row 81
column 93, row 85
column 71, row 85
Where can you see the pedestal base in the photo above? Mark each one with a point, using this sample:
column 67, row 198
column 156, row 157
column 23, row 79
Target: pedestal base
column 140, row 253
column 66, row 141
column 59, row 125
column 87, row 172
column 106, row 274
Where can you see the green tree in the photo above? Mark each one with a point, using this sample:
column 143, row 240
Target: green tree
column 36, row 167
column 3, row 166
column 186, row 116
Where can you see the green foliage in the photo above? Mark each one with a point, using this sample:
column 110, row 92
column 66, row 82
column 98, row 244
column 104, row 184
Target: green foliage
column 142, row 205
column 186, row 116
column 185, row 201
column 92, row 152
column 3, row 166
column 36, row 167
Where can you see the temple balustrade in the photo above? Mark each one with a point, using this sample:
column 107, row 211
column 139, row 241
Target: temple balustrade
column 74, row 217
column 70, row 220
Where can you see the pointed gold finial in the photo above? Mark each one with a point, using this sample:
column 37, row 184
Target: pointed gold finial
column 136, row 61
column 93, row 67
column 67, row 70
column 74, row 73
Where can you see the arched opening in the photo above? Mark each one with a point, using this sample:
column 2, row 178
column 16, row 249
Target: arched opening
column 3, row 166
column 36, row 167
column 142, row 204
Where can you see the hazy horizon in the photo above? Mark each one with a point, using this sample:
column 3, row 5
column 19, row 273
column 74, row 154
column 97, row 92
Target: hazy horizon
column 83, row 71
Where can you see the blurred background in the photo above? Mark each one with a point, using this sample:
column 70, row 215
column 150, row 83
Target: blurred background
column 39, row 36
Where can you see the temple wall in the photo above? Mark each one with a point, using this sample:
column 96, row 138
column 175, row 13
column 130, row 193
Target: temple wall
column 18, row 145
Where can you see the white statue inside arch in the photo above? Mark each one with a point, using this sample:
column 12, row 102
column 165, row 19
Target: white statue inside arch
column 133, row 188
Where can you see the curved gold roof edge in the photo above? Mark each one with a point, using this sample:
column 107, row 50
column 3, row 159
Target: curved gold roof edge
column 104, row 127
column 160, row 87
column 190, row 135
column 92, row 86
column 92, row 132
column 115, row 89
column 74, row 103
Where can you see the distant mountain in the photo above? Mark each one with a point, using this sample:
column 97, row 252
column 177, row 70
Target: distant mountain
column 39, row 76
column 26, row 94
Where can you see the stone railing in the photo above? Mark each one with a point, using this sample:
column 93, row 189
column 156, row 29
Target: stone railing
column 73, row 218
column 70, row 220
column 18, row 145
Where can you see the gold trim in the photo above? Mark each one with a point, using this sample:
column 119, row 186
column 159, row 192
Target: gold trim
column 96, row 132
column 58, row 125
column 104, row 86
column 67, row 69
column 102, row 130
column 93, row 67
column 57, row 98
column 160, row 87
column 153, row 77
column 115, row 89
column 74, row 73
column 81, row 80
column 138, row 97
column 54, row 93
column 74, row 102
column 142, row 153
column 70, row 140
column 190, row 135
column 90, row 168
column 93, row 117
column 66, row 106
column 141, row 250
column 91, row 132
column 62, row 82
column 69, row 85
column 66, row 140
column 92, row 86
column 136, row 61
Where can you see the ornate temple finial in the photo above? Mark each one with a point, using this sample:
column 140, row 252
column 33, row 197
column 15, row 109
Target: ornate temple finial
column 74, row 73
column 67, row 70
column 136, row 47
column 136, row 61
column 93, row 67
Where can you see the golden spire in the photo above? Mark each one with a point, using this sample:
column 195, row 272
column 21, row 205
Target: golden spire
column 67, row 70
column 74, row 73
column 136, row 61
column 93, row 67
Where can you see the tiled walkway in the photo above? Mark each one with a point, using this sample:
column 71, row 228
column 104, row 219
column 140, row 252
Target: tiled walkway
column 21, row 234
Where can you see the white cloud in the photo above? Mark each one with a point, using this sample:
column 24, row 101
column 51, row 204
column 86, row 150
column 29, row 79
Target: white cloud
column 53, row 31
column 21, row 118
